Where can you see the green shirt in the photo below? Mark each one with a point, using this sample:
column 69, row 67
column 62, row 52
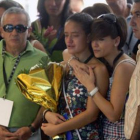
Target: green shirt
column 24, row 111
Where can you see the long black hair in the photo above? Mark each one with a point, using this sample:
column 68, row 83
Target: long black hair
column 44, row 17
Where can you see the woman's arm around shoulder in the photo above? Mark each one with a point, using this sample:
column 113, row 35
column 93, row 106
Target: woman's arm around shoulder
column 120, row 87
column 102, row 78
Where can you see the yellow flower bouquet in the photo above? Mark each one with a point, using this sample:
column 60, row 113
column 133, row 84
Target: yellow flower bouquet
column 42, row 85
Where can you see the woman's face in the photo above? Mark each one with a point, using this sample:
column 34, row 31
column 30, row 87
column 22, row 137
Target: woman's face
column 54, row 7
column 75, row 38
column 135, row 19
column 103, row 47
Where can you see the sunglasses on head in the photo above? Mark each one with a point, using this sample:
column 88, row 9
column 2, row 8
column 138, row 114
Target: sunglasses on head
column 19, row 28
column 110, row 18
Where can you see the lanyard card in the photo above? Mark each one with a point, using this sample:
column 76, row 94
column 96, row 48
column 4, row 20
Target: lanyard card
column 5, row 111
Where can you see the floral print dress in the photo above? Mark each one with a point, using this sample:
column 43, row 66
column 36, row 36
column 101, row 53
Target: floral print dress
column 76, row 95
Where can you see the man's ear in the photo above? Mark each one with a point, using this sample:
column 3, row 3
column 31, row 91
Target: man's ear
column 29, row 31
column 1, row 31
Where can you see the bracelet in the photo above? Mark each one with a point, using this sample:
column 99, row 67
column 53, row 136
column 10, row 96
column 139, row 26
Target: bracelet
column 93, row 92
column 72, row 57
column 44, row 113
column 33, row 129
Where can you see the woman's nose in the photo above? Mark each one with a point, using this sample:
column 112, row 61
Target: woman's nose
column 94, row 43
column 70, row 40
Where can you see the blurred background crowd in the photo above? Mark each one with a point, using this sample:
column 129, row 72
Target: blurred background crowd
column 30, row 6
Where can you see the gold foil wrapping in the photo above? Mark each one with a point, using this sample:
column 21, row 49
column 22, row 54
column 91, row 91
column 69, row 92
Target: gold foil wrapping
column 60, row 137
column 42, row 86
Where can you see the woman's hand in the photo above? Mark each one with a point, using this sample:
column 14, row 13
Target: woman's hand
column 76, row 64
column 86, row 78
column 73, row 62
column 50, row 129
column 50, row 33
column 54, row 118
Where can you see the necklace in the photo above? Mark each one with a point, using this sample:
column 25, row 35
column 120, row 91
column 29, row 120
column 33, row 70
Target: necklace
column 111, row 68
column 117, row 58
column 86, row 61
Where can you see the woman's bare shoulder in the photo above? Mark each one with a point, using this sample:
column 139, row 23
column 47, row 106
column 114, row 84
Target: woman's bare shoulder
column 97, row 64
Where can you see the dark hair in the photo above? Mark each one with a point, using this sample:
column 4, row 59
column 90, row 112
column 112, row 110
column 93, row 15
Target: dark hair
column 109, row 25
column 97, row 9
column 44, row 17
column 136, row 0
column 85, row 20
column 9, row 3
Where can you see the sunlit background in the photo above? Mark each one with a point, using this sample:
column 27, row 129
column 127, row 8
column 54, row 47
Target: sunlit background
column 31, row 6
column 91, row 2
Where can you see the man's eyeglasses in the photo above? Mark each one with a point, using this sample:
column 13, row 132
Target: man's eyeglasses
column 19, row 28
column 110, row 18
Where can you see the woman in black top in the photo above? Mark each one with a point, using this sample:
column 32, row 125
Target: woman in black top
column 52, row 13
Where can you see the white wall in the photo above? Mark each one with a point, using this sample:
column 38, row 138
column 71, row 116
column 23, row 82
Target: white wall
column 30, row 6
column 91, row 2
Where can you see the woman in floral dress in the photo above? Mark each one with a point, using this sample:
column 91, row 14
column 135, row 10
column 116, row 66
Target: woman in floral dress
column 83, row 120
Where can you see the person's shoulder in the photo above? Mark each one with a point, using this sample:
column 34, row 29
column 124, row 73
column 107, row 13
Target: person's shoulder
column 126, row 61
column 34, row 51
column 39, row 52
column 97, row 64
column 125, row 66
column 100, row 67
column 38, row 45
